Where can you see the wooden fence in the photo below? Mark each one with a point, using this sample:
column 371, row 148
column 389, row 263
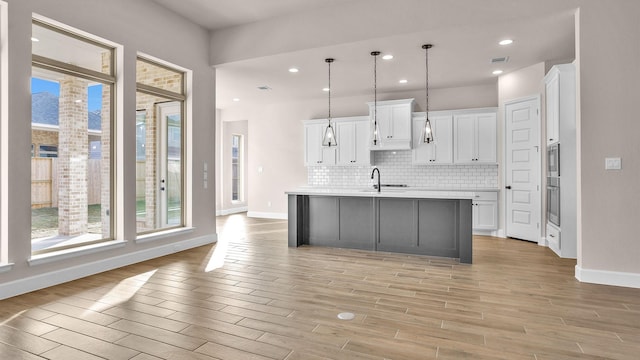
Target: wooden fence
column 44, row 182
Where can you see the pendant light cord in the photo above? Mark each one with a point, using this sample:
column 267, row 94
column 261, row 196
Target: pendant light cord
column 375, row 95
column 329, row 62
column 426, row 61
column 375, row 90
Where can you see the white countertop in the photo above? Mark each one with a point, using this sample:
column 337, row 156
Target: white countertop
column 392, row 192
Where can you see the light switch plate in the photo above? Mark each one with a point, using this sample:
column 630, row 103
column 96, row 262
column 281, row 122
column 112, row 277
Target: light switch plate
column 612, row 164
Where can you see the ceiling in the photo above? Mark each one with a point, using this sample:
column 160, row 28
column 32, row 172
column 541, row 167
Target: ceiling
column 461, row 56
column 219, row 14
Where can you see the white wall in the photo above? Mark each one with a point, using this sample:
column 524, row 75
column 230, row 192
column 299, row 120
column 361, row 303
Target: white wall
column 139, row 25
column 609, row 49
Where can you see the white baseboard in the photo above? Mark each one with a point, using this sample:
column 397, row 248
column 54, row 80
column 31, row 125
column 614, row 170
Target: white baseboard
column 494, row 233
column 232, row 211
column 543, row 242
column 41, row 281
column 605, row 277
column 268, row 215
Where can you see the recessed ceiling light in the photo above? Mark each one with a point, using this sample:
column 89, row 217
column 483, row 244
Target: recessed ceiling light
column 236, row 99
column 403, row 81
column 497, row 72
column 506, row 42
column 387, row 57
column 325, row 89
column 34, row 39
column 293, row 70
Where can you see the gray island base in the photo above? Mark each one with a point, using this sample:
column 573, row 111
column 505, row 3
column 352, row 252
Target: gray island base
column 419, row 224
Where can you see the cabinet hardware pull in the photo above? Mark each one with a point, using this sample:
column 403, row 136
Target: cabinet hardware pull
column 551, row 235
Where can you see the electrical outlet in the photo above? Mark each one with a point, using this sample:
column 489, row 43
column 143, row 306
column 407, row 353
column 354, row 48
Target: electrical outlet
column 612, row 164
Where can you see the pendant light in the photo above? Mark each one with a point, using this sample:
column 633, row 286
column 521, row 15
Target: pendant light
column 376, row 130
column 427, row 132
column 329, row 137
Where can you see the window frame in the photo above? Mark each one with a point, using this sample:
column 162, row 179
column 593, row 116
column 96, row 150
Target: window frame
column 185, row 151
column 110, row 82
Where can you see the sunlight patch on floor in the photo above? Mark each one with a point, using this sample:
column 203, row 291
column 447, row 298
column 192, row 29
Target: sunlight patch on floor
column 234, row 229
column 122, row 292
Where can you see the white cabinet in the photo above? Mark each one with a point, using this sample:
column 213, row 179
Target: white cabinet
column 394, row 124
column 353, row 141
column 475, row 138
column 440, row 151
column 553, row 239
column 561, row 97
column 485, row 210
column 552, row 99
column 314, row 153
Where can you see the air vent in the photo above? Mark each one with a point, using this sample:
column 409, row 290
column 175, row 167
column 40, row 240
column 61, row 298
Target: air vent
column 264, row 87
column 498, row 60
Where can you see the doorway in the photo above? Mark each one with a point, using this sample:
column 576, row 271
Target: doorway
column 522, row 169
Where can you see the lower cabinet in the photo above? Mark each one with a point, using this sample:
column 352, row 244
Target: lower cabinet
column 436, row 227
column 425, row 226
column 485, row 210
column 345, row 222
column 553, row 238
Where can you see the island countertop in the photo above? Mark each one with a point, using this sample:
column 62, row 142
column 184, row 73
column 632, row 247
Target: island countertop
column 392, row 192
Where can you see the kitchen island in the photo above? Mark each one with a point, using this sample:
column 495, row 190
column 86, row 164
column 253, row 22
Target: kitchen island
column 424, row 222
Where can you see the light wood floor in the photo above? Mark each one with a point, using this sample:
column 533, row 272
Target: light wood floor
column 251, row 297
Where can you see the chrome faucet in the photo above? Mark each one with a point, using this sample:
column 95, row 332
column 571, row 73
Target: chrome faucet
column 373, row 172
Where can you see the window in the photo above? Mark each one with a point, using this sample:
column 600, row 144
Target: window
column 160, row 101
column 72, row 89
column 236, row 167
column 48, row 151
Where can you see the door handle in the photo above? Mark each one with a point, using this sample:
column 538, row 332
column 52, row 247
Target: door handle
column 508, row 187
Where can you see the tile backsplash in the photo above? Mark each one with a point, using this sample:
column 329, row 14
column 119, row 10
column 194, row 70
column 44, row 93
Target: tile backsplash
column 396, row 168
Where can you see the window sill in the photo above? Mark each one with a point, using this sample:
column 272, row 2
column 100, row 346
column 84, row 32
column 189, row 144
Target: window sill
column 163, row 234
column 6, row 267
column 75, row 252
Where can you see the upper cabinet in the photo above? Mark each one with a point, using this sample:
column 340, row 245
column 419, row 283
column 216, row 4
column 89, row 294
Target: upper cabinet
column 475, row 137
column 394, row 124
column 352, row 135
column 560, row 90
column 314, row 153
column 440, row 151
column 552, row 98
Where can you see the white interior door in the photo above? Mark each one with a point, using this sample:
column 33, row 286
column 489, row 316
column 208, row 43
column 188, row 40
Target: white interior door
column 522, row 169
column 170, row 163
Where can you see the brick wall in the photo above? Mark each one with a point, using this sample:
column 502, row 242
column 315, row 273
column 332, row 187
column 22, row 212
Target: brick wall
column 73, row 153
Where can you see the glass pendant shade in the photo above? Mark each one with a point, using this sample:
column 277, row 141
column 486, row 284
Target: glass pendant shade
column 376, row 133
column 427, row 132
column 329, row 137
